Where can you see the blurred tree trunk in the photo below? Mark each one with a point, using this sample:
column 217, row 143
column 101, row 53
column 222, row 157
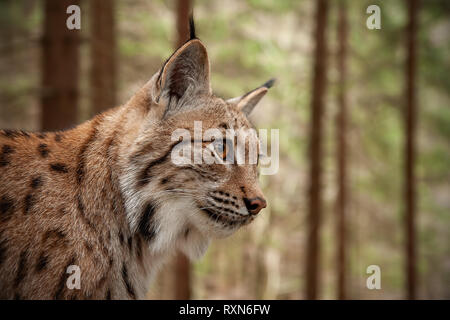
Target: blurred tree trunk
column 183, row 267
column 315, row 152
column 184, row 8
column 410, row 149
column 341, row 151
column 60, row 67
column 103, row 55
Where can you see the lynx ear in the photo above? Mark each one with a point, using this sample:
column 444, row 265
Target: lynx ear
column 185, row 74
column 249, row 100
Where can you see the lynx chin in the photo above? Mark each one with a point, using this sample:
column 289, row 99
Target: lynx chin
column 106, row 197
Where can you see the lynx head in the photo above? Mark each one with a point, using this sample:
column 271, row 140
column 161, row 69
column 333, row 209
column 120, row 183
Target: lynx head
column 209, row 193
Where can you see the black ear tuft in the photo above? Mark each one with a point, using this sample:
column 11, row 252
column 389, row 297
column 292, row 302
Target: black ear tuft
column 269, row 83
column 192, row 35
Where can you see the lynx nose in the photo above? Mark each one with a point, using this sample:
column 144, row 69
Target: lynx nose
column 255, row 205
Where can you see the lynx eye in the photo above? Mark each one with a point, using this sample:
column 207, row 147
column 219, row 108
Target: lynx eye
column 223, row 148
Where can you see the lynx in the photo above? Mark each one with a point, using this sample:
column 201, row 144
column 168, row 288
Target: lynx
column 106, row 197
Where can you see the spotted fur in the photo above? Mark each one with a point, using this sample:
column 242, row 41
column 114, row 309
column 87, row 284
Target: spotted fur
column 105, row 196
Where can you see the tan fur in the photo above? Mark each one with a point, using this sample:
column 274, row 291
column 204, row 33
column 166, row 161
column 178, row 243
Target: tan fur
column 88, row 196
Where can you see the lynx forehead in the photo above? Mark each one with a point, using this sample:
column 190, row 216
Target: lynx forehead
column 107, row 197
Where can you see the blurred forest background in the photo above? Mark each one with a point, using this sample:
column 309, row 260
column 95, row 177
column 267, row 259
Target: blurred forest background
column 364, row 119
